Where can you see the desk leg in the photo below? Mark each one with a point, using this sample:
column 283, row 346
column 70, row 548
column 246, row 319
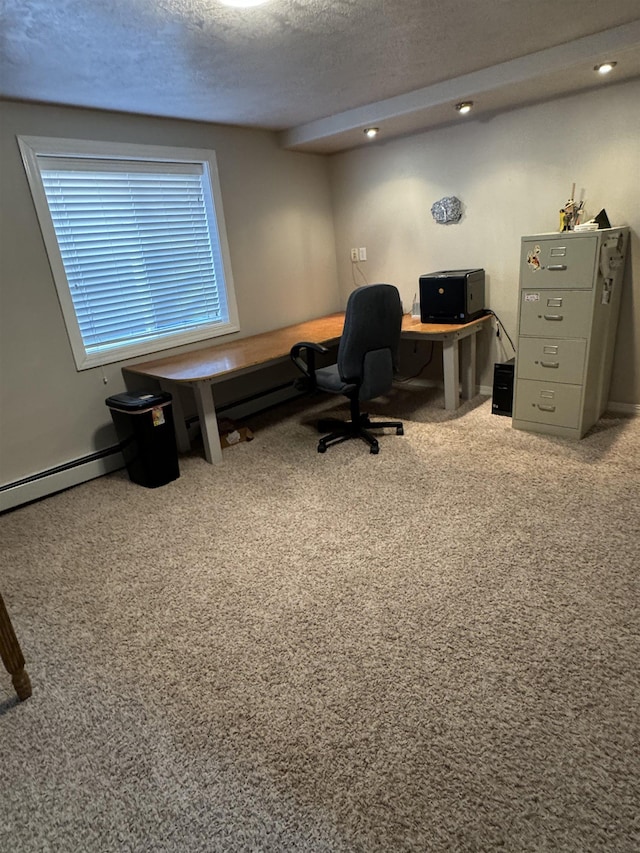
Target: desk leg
column 468, row 358
column 208, row 421
column 180, row 424
column 451, row 367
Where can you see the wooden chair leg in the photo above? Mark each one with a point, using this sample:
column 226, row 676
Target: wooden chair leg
column 11, row 655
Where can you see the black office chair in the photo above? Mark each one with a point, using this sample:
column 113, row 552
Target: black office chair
column 367, row 356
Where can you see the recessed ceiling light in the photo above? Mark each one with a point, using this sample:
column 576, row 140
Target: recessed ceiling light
column 464, row 107
column 605, row 67
column 243, row 3
column 371, row 132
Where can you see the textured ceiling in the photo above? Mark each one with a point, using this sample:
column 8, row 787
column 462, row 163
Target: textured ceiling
column 316, row 70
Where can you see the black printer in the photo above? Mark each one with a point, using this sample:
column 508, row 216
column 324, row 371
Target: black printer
column 452, row 296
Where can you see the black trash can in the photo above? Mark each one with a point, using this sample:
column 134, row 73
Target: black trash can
column 144, row 424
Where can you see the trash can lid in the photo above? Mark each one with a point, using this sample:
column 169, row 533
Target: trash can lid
column 133, row 400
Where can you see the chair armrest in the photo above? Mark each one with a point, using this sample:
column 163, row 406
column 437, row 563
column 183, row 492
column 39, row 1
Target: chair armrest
column 296, row 349
column 303, row 355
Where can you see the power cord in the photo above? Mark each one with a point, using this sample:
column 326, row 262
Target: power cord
column 355, row 283
column 501, row 326
column 424, row 366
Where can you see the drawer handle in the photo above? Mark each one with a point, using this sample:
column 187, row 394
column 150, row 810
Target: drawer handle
column 554, row 316
column 549, row 364
column 546, row 408
column 556, row 267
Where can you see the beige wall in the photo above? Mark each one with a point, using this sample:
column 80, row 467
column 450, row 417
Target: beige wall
column 512, row 172
column 279, row 222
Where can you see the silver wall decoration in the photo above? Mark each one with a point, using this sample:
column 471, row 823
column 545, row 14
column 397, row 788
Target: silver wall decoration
column 447, row 210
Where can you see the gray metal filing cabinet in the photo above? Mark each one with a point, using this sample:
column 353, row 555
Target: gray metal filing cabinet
column 570, row 287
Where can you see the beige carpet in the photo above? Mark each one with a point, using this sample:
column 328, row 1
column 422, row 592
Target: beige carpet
column 432, row 649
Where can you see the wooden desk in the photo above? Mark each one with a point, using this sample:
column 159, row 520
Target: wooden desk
column 452, row 357
column 204, row 367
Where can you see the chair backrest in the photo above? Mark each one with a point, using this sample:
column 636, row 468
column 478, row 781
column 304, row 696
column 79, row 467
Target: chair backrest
column 368, row 348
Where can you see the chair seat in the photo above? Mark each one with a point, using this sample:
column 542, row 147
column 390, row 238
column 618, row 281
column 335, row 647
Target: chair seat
column 329, row 379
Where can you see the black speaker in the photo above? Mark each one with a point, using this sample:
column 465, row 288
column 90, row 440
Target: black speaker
column 502, row 403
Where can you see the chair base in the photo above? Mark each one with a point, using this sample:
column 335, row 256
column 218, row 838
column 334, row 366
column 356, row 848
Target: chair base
column 357, row 427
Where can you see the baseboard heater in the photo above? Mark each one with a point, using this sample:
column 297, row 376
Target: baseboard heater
column 61, row 477
column 260, row 401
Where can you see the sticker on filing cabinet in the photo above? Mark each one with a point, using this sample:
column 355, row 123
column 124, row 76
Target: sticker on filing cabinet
column 531, row 297
column 157, row 413
column 533, row 261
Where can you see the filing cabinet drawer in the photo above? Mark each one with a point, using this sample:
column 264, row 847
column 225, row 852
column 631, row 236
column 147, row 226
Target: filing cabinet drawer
column 556, row 313
column 552, row 359
column 554, row 403
column 559, row 261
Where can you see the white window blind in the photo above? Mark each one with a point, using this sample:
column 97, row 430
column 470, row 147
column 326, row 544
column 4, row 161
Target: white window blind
column 141, row 253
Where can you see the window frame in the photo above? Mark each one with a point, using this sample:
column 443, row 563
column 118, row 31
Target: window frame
column 33, row 147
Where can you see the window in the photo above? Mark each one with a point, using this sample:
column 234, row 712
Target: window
column 136, row 242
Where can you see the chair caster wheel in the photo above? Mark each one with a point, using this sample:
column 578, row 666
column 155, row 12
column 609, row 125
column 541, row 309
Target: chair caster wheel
column 400, row 431
column 375, row 449
column 322, row 448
